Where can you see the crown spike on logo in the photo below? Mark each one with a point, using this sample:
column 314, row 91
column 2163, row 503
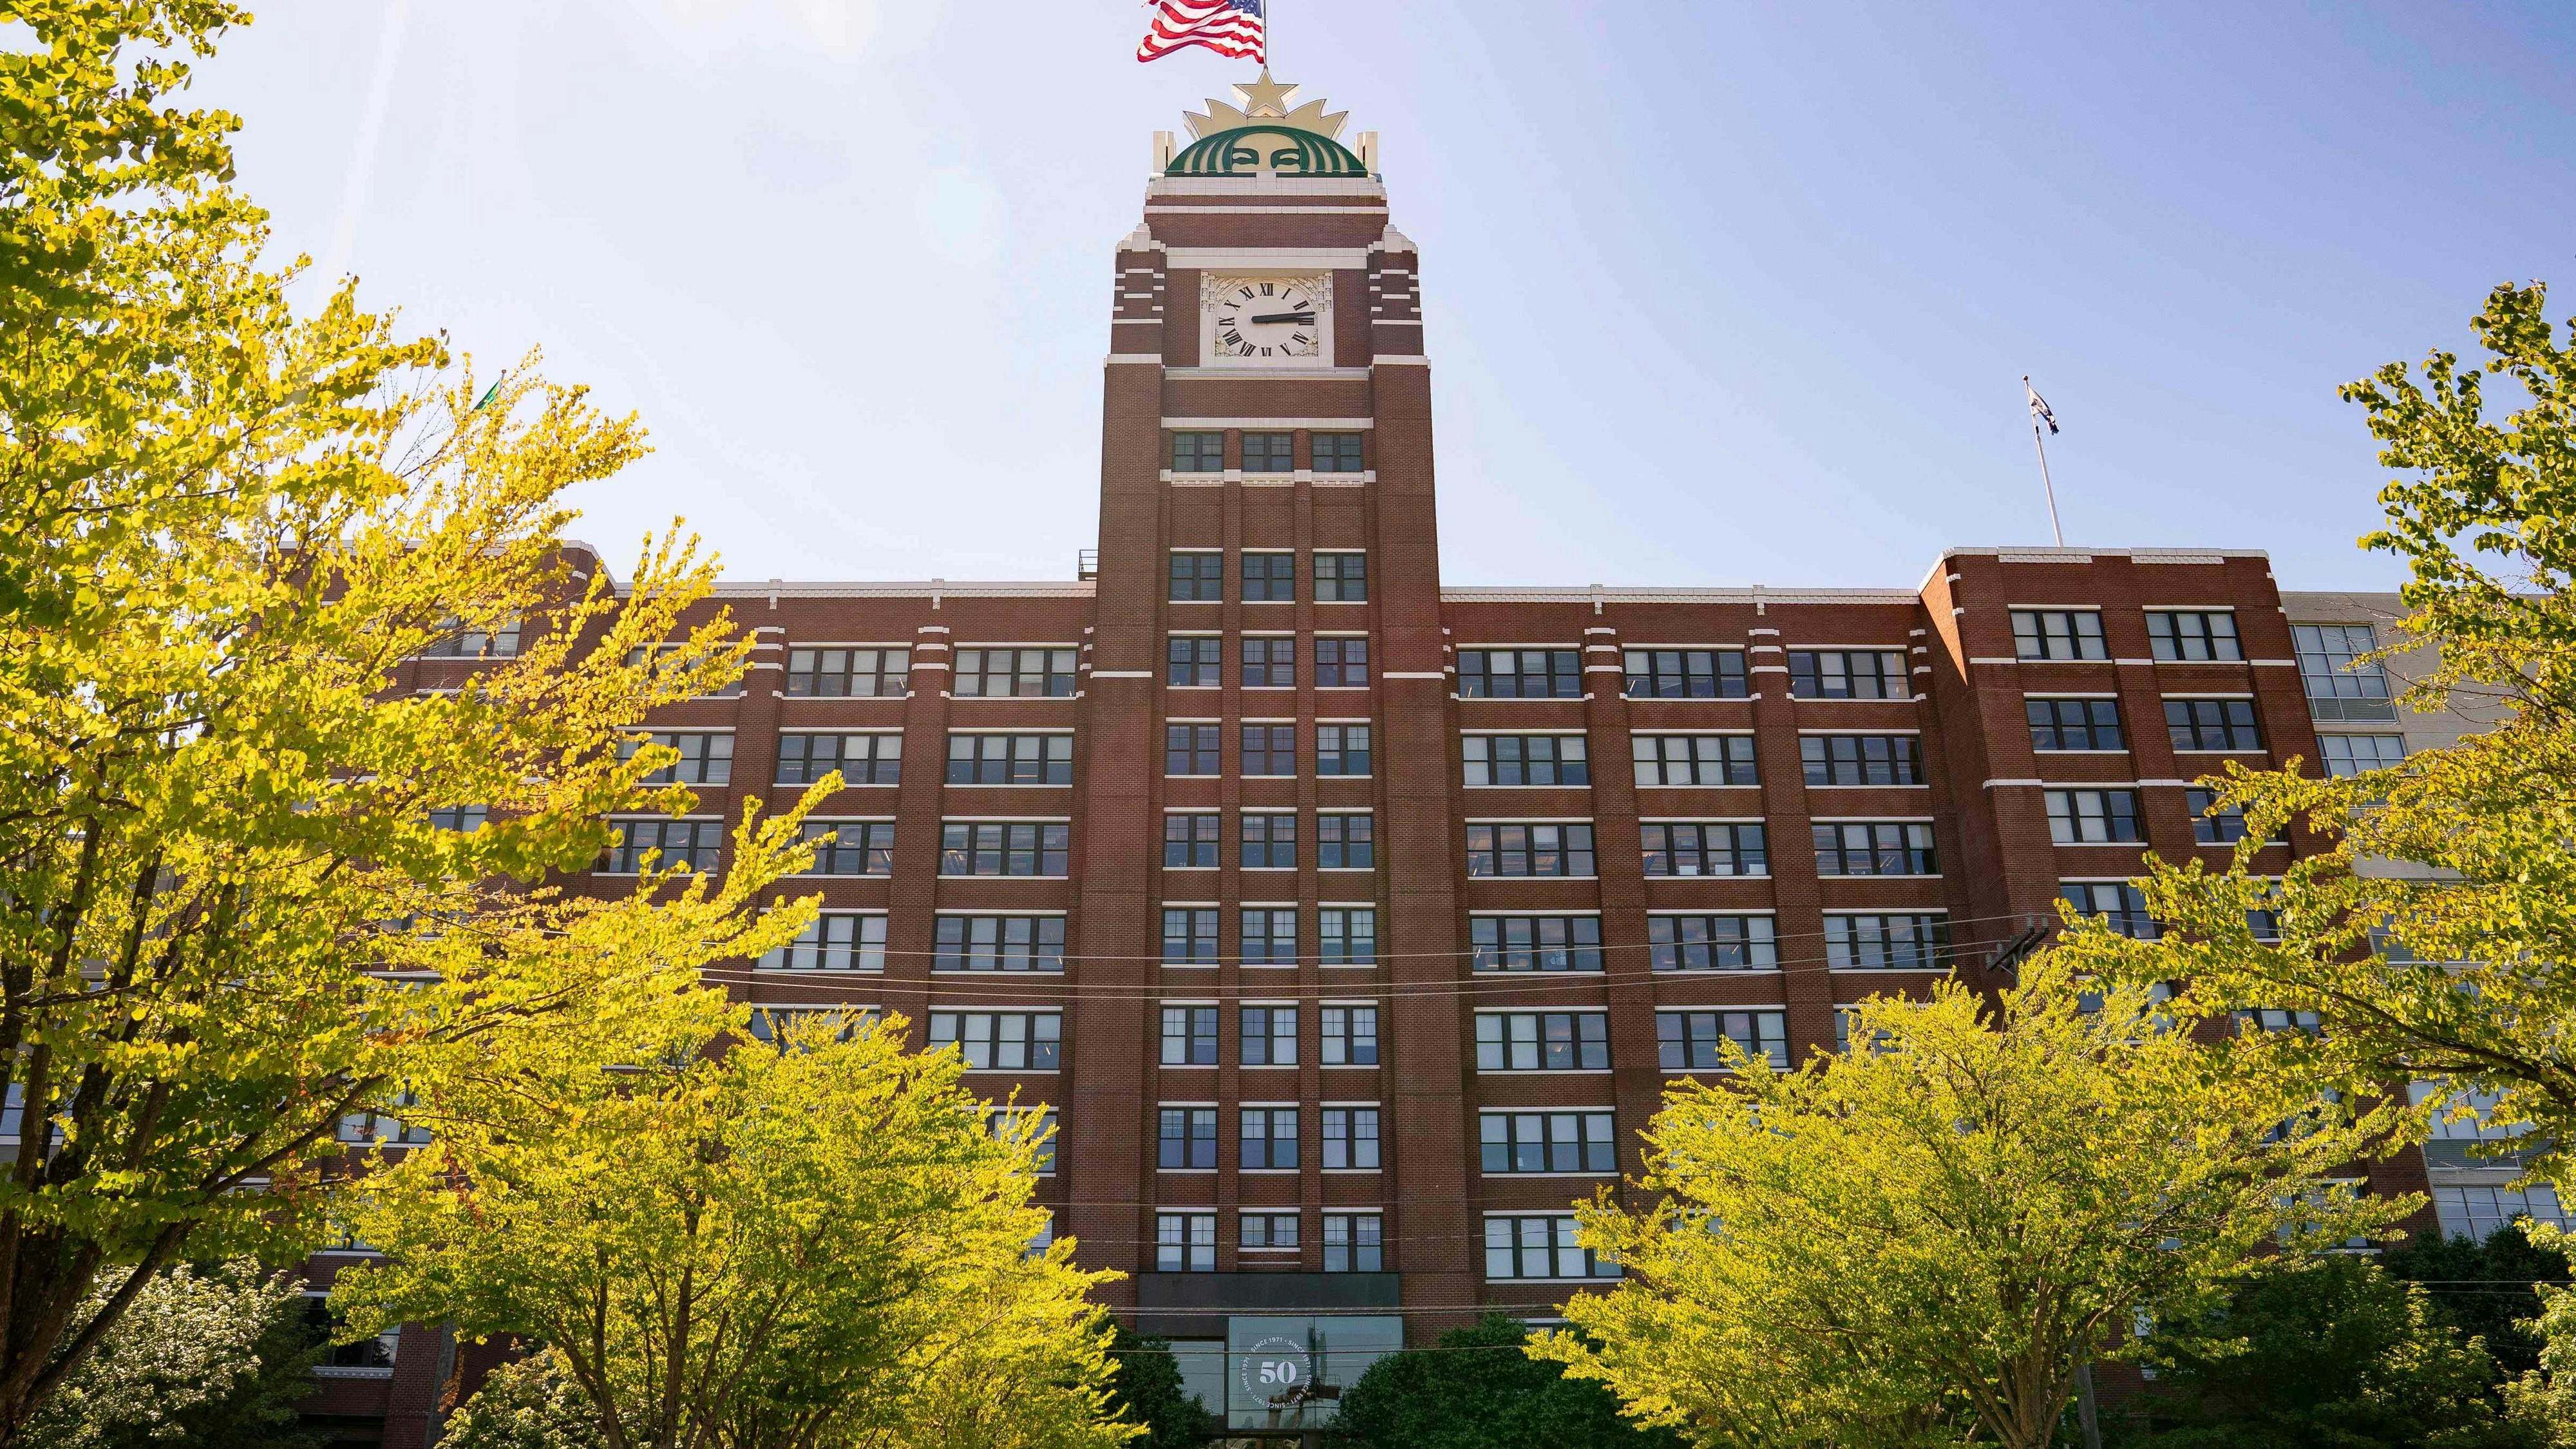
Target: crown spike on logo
column 1261, row 102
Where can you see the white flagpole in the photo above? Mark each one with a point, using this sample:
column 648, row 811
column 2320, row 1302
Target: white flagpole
column 2037, row 441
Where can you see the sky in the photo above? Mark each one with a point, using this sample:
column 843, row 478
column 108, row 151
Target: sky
column 1716, row 293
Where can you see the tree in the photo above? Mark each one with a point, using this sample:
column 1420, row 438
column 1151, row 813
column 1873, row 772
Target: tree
column 1478, row 1390
column 1146, row 1382
column 210, row 1358
column 527, row 1403
column 2487, row 1290
column 821, row 1244
column 1922, row 1239
column 229, row 917
column 2456, row 974
column 2329, row 1353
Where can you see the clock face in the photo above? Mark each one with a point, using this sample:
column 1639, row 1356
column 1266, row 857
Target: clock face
column 1273, row 318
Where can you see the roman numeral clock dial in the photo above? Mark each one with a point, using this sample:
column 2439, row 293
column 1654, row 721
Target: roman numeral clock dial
column 1273, row 321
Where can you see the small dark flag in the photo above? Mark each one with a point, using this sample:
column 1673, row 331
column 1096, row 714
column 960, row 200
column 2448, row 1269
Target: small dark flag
column 2039, row 412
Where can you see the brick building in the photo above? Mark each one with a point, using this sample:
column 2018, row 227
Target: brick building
column 1354, row 924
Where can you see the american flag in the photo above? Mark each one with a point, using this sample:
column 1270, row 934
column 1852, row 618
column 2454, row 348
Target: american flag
column 1231, row 28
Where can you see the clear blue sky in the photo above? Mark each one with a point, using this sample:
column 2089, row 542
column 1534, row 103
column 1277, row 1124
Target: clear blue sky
column 1718, row 292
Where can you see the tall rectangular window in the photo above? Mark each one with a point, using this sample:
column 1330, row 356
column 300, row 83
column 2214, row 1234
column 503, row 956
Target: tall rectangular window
column 1540, row 1248
column 1694, row 759
column 1712, row 943
column 1881, row 847
column 1185, row 1242
column 1349, row 1035
column 1341, row 578
column 1191, row 749
column 1354, row 1243
column 1269, row 841
column 1847, row 674
column 1542, row 1041
column 848, row 673
column 1002, row 1041
column 2212, row 724
column 1541, row 849
column 1189, row 841
column 1526, row 759
column 2121, row 905
column 1269, row 662
column 1003, row 1120
column 1558, row 1141
column 1268, row 1036
column 1349, row 935
column 1685, row 674
column 999, row 847
column 2209, row 824
column 1269, row 578
column 1687, row 1041
column 2058, row 634
column 1269, row 453
column 705, row 759
column 833, row 941
column 874, row 759
column 1692, row 848
column 1269, row 935
column 1336, row 452
column 2342, row 681
column 1193, row 661
column 854, row 847
column 1346, row 842
column 1186, row 1137
column 1534, row 943
column 1196, row 578
column 999, row 943
column 1520, row 673
column 1189, row 936
column 1010, row 759
column 1912, row 941
column 1341, row 663
column 1341, row 749
column 1198, row 452
column 1861, row 759
column 2074, row 724
column 1350, row 1139
column 1015, row 673
column 1189, row 1036
column 2193, row 636
column 1267, row 1138
column 2093, row 817
column 1269, row 749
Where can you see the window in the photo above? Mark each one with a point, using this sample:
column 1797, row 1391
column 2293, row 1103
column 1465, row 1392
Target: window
column 1577, row 1141
column 1346, row 842
column 855, row 847
column 2121, row 905
column 2477, row 1212
column 1002, row 1120
column 1882, row 847
column 1526, row 760
column 1340, row 750
column 462, row 819
column 1535, row 943
column 1268, row 453
column 833, row 941
column 2193, row 636
column 1268, row 1232
column 2212, row 724
column 2274, row 1018
column 1010, row 759
column 1711, row 943
column 1350, row 1036
column 705, row 759
column 1542, row 1041
column 1269, row 663
column 1009, row 1041
column 1513, row 850
column 462, row 641
column 1185, row 1242
column 1686, row 1041
column 1693, row 759
column 1192, row 661
column 1686, row 674
column 1268, row 1141
column 1336, row 452
column 367, row 1358
column 861, row 759
column 1341, row 578
column 1268, row 1035
column 1341, row 663
column 1189, row 841
column 2074, row 724
column 1847, row 674
column 777, row 1025
column 1699, row 849
column 1020, row 673
column 2093, row 817
column 2210, row 825
column 649, row 657
column 999, row 943
column 368, row 1125
column 1198, row 452
column 848, row 673
column 1191, row 749
column 1269, row 578
column 1269, row 749
column 1349, row 936
column 1197, row 577
column 1269, row 936
column 1861, row 759
column 1350, row 1139
column 1353, row 1243
column 1520, row 673
column 995, row 847
column 1189, row 936
column 1189, row 1037
column 1912, row 942
column 2348, row 755
column 1540, row 1247
column 2342, row 684
column 2058, row 634
column 693, row 843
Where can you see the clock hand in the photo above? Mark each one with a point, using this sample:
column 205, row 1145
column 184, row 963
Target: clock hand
column 1303, row 319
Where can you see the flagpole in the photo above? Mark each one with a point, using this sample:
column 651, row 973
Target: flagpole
column 2045, row 483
